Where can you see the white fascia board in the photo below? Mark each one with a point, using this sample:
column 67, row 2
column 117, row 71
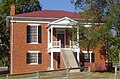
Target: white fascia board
column 87, row 51
column 30, row 21
column 61, row 26
column 34, row 24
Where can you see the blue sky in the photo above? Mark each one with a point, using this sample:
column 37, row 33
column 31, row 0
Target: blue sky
column 57, row 5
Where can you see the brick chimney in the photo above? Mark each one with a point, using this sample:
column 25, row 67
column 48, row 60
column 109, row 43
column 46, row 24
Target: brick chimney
column 12, row 9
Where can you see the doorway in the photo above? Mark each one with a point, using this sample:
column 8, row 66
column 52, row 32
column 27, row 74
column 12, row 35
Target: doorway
column 61, row 36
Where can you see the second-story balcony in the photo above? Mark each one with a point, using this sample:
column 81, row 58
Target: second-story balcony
column 56, row 46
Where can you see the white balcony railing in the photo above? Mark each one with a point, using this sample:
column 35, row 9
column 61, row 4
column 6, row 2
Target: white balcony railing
column 74, row 44
column 54, row 44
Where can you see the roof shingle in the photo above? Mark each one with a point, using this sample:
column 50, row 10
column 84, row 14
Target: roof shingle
column 50, row 14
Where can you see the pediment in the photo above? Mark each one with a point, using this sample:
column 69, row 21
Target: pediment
column 65, row 20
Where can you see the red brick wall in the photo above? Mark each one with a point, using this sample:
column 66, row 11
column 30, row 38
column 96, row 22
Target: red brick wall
column 20, row 48
column 99, row 59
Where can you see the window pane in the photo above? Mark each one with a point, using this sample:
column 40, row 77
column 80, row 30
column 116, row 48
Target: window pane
column 33, row 33
column 32, row 58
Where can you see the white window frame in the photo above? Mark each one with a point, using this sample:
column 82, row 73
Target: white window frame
column 37, row 57
column 90, row 55
column 37, row 32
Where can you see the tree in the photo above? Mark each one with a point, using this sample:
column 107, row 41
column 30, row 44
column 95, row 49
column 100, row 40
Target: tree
column 22, row 6
column 108, row 12
column 113, row 19
column 93, row 35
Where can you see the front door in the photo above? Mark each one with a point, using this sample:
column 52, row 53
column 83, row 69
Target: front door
column 61, row 37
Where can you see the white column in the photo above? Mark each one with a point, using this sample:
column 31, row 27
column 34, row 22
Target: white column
column 48, row 36
column 51, row 47
column 51, row 61
column 78, row 36
column 78, row 54
column 51, row 36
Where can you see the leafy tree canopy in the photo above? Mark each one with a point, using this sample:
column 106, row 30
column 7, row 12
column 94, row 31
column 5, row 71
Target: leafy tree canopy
column 108, row 13
column 22, row 6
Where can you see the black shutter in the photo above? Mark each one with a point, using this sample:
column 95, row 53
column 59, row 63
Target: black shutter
column 92, row 56
column 82, row 59
column 39, row 58
column 28, row 58
column 39, row 34
column 28, row 34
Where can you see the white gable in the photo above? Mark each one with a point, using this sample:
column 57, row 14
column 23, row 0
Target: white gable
column 65, row 20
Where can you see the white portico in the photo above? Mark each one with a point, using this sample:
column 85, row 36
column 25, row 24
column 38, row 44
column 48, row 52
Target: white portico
column 58, row 37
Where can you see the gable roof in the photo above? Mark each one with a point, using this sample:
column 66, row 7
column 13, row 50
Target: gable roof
column 50, row 14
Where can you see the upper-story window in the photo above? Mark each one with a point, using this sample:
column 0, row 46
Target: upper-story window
column 34, row 33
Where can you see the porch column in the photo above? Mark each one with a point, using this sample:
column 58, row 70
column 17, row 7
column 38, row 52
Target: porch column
column 48, row 36
column 52, row 49
column 78, row 53
column 78, row 58
column 51, row 61
column 78, row 36
column 51, row 36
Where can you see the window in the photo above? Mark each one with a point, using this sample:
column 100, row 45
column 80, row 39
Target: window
column 33, row 33
column 87, row 57
column 34, row 57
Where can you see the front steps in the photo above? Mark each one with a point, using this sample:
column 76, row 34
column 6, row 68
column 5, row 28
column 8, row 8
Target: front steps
column 69, row 59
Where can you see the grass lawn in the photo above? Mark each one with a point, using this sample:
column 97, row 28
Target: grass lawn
column 94, row 75
column 102, row 74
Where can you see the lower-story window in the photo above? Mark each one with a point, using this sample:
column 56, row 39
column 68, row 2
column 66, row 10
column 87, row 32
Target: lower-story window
column 87, row 57
column 34, row 57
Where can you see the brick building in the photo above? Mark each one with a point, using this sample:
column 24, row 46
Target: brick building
column 40, row 41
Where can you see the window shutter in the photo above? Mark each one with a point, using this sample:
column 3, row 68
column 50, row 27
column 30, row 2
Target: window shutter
column 39, row 34
column 39, row 58
column 92, row 56
column 28, row 34
column 82, row 57
column 28, row 58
